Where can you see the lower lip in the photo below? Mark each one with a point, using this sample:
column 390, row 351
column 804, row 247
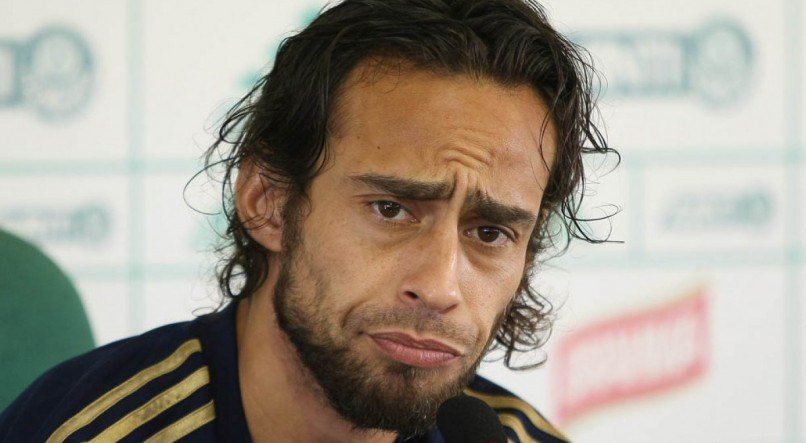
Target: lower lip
column 422, row 358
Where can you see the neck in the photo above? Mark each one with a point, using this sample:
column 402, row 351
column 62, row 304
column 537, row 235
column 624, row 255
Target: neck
column 281, row 400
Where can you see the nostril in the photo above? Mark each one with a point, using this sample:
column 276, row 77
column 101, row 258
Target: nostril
column 411, row 295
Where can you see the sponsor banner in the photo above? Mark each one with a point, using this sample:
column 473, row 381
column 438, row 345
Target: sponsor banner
column 712, row 210
column 713, row 64
column 644, row 370
column 51, row 74
column 80, row 221
column 630, row 356
column 64, row 82
column 202, row 69
column 685, row 76
column 181, row 223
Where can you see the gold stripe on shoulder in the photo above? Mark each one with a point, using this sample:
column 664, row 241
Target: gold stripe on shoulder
column 104, row 402
column 506, row 401
column 516, row 425
column 154, row 407
column 185, row 425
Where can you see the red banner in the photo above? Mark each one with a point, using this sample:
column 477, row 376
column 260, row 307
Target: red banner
column 631, row 356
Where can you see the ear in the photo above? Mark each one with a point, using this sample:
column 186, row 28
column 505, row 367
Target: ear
column 259, row 203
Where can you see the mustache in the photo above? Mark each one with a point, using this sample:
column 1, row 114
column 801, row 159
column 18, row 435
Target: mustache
column 422, row 321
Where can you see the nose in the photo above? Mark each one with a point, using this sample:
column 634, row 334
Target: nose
column 432, row 280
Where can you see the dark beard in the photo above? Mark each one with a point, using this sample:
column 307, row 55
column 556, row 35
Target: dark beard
column 392, row 398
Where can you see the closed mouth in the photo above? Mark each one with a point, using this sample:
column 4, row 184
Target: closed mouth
column 425, row 353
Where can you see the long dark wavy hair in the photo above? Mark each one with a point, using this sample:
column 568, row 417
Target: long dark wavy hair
column 282, row 124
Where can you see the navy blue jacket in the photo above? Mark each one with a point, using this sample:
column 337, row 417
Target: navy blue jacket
column 180, row 382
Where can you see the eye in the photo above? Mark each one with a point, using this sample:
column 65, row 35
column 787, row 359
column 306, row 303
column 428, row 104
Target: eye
column 490, row 235
column 390, row 210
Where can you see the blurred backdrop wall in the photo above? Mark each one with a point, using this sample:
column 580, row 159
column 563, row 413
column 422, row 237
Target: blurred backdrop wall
column 691, row 330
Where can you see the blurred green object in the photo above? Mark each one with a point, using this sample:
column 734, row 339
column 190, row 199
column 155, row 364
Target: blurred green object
column 42, row 320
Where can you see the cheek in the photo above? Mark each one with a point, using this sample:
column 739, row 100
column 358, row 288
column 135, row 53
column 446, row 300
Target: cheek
column 491, row 291
column 352, row 267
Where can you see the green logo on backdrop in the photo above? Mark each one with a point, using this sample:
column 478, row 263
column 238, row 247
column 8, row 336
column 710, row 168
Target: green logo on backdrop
column 714, row 63
column 750, row 209
column 88, row 224
column 52, row 73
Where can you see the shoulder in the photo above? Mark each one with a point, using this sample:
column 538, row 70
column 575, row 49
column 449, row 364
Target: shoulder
column 132, row 387
column 522, row 422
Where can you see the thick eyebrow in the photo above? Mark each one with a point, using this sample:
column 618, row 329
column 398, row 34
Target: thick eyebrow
column 499, row 213
column 406, row 189
column 478, row 203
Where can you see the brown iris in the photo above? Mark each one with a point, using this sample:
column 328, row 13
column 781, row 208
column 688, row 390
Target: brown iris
column 389, row 209
column 488, row 234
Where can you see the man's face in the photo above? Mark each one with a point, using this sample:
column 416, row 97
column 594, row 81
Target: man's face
column 415, row 241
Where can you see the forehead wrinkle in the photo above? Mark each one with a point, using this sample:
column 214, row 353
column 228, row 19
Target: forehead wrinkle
column 469, row 156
